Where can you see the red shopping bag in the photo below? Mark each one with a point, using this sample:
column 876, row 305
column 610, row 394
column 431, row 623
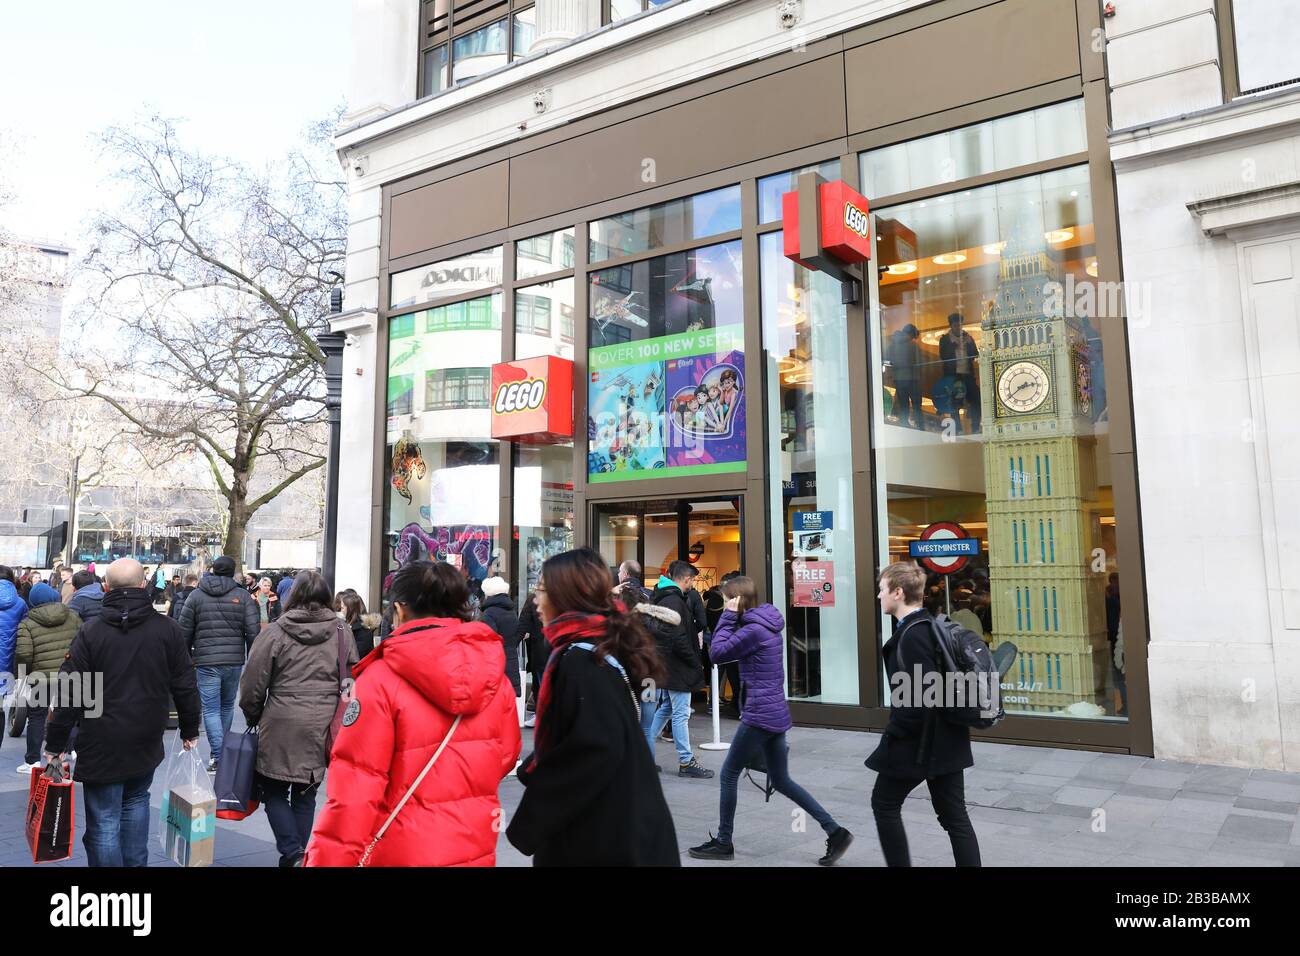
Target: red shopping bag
column 50, row 811
column 239, row 814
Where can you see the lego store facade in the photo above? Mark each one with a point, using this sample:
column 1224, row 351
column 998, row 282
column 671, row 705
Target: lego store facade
column 963, row 400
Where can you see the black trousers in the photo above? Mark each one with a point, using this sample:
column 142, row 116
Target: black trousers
column 948, row 793
column 291, row 810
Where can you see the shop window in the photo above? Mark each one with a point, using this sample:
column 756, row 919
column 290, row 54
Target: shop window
column 1005, row 143
column 547, row 253
column 442, row 488
column 442, row 280
column 772, row 188
column 1268, row 38
column 666, row 389
column 805, row 340
column 456, row 388
column 536, row 330
column 665, row 224
column 993, row 417
column 543, row 509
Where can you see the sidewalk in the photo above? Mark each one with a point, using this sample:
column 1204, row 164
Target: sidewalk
column 1031, row 807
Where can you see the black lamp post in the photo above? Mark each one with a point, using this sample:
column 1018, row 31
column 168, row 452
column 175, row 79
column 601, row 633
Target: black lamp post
column 331, row 343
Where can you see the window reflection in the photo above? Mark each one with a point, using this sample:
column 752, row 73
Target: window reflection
column 442, row 280
column 771, row 189
column 993, row 417
column 666, row 224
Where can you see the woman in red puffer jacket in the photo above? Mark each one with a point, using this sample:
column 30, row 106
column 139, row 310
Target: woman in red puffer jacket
column 434, row 667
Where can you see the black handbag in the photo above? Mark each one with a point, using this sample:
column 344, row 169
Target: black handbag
column 237, row 771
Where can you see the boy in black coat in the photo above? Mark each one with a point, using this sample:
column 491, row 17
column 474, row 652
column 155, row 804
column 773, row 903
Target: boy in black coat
column 919, row 742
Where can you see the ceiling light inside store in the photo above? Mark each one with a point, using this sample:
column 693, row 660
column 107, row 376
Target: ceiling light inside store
column 995, row 248
column 1092, row 268
column 902, row 268
column 1059, row 235
column 799, row 378
column 950, row 259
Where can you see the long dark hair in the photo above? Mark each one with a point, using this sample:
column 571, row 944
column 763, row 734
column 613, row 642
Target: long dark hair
column 430, row 589
column 579, row 582
column 350, row 603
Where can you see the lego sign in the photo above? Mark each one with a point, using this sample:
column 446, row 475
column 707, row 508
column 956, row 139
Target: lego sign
column 829, row 231
column 814, row 583
column 532, row 400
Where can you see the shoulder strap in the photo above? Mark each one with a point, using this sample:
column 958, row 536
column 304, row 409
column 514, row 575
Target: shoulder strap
column 613, row 662
column 343, row 649
column 365, row 857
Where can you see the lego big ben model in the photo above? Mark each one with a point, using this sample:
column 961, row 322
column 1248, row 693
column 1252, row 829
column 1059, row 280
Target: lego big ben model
column 1040, row 478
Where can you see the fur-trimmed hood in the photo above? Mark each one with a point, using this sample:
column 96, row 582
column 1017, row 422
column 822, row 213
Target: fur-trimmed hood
column 665, row 614
column 371, row 621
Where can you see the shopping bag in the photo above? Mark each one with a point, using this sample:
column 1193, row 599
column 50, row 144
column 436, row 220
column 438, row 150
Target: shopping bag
column 51, row 809
column 236, row 771
column 188, row 815
column 239, row 814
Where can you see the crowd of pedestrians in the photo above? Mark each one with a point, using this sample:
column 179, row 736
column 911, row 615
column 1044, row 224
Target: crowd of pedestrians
column 431, row 696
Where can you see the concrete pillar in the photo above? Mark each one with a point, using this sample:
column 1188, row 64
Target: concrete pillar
column 559, row 21
column 385, row 57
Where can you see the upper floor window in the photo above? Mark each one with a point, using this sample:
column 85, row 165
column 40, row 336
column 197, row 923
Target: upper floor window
column 665, row 224
column 1268, row 43
column 450, row 277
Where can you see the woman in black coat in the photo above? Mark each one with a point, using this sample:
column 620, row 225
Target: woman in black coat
column 498, row 613
column 591, row 797
column 349, row 606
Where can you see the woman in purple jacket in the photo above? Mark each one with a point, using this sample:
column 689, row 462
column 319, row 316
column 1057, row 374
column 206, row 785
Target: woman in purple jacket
column 752, row 634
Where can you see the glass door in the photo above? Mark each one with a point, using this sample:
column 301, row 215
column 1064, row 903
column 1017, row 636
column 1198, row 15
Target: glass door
column 654, row 534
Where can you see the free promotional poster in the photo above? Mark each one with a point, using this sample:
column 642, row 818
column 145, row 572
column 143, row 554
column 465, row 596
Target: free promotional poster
column 673, row 403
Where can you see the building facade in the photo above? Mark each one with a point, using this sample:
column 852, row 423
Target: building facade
column 610, row 191
column 1206, row 128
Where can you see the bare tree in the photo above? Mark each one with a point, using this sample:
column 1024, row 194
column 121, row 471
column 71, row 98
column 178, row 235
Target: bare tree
column 209, row 285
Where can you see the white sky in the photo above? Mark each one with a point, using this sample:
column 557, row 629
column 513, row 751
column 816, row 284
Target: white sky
column 248, row 75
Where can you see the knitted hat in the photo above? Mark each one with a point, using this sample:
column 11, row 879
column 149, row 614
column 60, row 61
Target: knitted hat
column 42, row 594
column 494, row 586
column 224, row 567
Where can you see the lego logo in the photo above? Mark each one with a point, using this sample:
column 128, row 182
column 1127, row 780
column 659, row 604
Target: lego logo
column 855, row 219
column 523, row 396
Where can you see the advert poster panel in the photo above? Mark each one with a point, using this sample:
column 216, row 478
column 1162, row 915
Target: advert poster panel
column 814, row 583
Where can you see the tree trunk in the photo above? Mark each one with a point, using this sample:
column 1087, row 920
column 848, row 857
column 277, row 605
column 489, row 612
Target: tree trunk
column 235, row 534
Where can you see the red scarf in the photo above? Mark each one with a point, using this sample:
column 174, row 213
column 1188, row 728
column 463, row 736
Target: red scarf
column 560, row 633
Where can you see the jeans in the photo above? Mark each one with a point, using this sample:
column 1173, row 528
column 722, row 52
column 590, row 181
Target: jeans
column 747, row 742
column 218, row 688
column 907, row 404
column 674, row 703
column 117, row 822
column 36, row 717
column 947, row 793
column 291, row 809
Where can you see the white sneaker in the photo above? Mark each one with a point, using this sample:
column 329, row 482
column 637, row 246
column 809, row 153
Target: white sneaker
column 25, row 769
column 530, row 721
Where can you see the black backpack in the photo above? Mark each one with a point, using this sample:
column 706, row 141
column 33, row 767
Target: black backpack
column 978, row 682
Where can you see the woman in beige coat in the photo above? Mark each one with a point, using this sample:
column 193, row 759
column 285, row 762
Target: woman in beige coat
column 290, row 690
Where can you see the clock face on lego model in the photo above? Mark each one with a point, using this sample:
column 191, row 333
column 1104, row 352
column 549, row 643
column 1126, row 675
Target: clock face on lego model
column 1023, row 386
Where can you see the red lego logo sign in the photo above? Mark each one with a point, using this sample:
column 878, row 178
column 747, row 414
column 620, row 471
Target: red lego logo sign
column 844, row 225
column 532, row 400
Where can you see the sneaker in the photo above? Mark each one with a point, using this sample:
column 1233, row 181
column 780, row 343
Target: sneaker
column 212, row 767
column 658, row 769
column 531, row 720
column 713, row 850
column 693, row 769
column 836, row 845
column 25, row 769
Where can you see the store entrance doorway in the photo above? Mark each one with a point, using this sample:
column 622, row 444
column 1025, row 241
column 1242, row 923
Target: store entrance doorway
column 708, row 532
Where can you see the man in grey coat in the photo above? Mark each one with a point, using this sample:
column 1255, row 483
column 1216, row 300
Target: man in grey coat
column 219, row 621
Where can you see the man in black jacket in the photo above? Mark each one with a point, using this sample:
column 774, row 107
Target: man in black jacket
column 178, row 599
column 142, row 659
column 682, row 662
column 919, row 742
column 219, row 621
column 499, row 614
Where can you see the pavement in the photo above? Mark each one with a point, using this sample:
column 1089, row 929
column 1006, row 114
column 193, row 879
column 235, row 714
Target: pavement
column 1031, row 806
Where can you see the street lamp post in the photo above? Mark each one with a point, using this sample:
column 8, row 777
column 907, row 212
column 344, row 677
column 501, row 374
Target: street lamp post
column 332, row 345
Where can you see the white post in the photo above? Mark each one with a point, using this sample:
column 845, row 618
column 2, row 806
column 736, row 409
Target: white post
column 717, row 742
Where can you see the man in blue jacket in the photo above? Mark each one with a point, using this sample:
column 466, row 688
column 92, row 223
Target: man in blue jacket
column 12, row 610
column 282, row 589
column 88, row 597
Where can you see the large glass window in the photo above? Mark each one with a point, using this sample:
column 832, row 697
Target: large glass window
column 772, row 188
column 490, row 41
column 993, row 424
column 442, row 483
column 525, row 31
column 544, row 254
column 544, row 319
column 433, row 76
column 1268, row 42
column 805, row 339
column 665, row 224
column 442, row 280
column 666, row 389
column 1019, row 140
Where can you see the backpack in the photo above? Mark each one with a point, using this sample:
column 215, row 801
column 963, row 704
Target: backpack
column 966, row 655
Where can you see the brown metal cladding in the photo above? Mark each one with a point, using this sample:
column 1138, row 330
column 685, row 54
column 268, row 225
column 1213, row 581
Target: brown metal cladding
column 444, row 212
